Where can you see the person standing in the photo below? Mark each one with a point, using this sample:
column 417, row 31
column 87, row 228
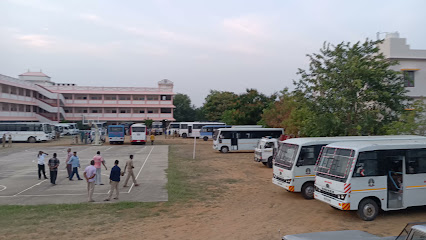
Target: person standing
column 10, row 140
column 129, row 166
column 53, row 165
column 75, row 162
column 98, row 160
column 114, row 180
column 89, row 175
column 40, row 163
column 152, row 138
column 3, row 139
column 69, row 166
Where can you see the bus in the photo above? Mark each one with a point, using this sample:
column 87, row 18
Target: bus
column 295, row 160
column 192, row 129
column 238, row 138
column 27, row 131
column 373, row 175
column 157, row 127
column 116, row 134
column 207, row 131
column 138, row 133
column 173, row 127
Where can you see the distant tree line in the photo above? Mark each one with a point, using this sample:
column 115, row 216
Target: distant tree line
column 349, row 89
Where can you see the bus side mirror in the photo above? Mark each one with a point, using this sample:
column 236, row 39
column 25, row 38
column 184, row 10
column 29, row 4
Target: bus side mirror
column 299, row 163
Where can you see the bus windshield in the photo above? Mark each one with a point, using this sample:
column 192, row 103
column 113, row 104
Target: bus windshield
column 286, row 155
column 215, row 134
column 47, row 128
column 335, row 163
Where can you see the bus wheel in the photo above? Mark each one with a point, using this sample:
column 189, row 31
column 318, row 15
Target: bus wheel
column 32, row 140
column 308, row 190
column 224, row 149
column 368, row 209
column 269, row 163
column 205, row 138
column 184, row 135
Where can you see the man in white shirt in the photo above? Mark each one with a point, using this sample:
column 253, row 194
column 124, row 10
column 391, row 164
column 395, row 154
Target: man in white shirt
column 40, row 162
column 89, row 175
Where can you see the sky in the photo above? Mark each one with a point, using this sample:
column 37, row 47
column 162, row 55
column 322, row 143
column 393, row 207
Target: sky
column 228, row 45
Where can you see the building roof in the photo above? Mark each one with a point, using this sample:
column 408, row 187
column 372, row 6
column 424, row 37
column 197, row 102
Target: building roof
column 36, row 74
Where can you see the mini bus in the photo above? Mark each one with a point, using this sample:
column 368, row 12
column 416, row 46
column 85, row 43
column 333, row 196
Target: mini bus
column 138, row 133
column 157, row 127
column 372, row 175
column 265, row 150
column 238, row 138
column 192, row 129
column 27, row 131
column 295, row 160
column 207, row 131
column 116, row 134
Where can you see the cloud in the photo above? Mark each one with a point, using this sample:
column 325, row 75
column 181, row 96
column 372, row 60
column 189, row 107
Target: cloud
column 247, row 25
column 35, row 40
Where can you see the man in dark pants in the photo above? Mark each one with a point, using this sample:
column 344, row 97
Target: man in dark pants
column 40, row 163
column 75, row 162
column 114, row 180
column 53, row 165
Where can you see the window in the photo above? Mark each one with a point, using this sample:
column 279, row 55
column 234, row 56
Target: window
column 308, row 155
column 124, row 110
column 141, row 111
column 110, row 97
column 152, row 97
column 169, row 110
column 152, row 110
column 416, row 161
column 96, row 97
column 81, row 97
column 124, row 97
column 226, row 135
column 166, row 97
column 409, row 78
column 139, row 98
column 369, row 164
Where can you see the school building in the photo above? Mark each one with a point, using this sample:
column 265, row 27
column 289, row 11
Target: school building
column 35, row 97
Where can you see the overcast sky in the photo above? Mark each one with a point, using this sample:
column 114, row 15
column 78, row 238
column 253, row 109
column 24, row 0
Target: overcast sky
column 199, row 45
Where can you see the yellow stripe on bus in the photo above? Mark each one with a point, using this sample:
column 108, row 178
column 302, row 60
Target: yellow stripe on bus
column 371, row 189
column 416, row 186
column 305, row 176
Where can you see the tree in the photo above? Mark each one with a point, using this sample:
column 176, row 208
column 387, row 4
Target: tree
column 184, row 111
column 148, row 122
column 412, row 121
column 216, row 103
column 289, row 112
column 248, row 107
column 350, row 90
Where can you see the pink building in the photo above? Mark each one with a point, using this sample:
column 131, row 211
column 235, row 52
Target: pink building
column 34, row 97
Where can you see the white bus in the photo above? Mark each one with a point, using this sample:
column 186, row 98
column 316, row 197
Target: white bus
column 173, row 127
column 68, row 128
column 157, row 127
column 192, row 129
column 373, row 175
column 138, row 133
column 233, row 139
column 27, row 131
column 296, row 157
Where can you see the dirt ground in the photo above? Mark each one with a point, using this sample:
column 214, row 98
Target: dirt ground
column 249, row 207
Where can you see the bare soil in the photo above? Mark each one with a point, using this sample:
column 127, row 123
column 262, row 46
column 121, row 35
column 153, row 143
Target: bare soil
column 239, row 202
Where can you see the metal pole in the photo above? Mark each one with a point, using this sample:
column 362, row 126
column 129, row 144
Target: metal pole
column 193, row 154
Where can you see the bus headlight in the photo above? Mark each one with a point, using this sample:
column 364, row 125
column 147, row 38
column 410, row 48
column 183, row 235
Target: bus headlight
column 341, row 196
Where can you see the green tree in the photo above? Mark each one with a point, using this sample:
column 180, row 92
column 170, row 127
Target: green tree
column 412, row 121
column 248, row 107
column 148, row 122
column 184, row 111
column 216, row 103
column 350, row 90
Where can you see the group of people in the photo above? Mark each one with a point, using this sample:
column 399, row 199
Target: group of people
column 92, row 173
column 171, row 134
column 7, row 138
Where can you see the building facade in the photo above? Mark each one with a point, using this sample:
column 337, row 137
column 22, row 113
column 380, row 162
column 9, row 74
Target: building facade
column 34, row 97
column 412, row 63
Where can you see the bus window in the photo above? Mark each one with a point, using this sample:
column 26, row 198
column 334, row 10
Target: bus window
column 368, row 165
column 416, row 161
column 225, row 135
column 307, row 155
column 184, row 126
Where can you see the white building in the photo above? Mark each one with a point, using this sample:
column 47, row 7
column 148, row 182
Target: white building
column 412, row 62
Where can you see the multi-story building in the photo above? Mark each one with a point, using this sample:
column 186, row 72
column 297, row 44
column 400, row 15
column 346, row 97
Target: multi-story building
column 412, row 63
column 34, row 97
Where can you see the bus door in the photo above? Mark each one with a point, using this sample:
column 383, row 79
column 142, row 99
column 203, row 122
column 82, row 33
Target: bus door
column 234, row 141
column 414, row 178
column 395, row 179
column 189, row 131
